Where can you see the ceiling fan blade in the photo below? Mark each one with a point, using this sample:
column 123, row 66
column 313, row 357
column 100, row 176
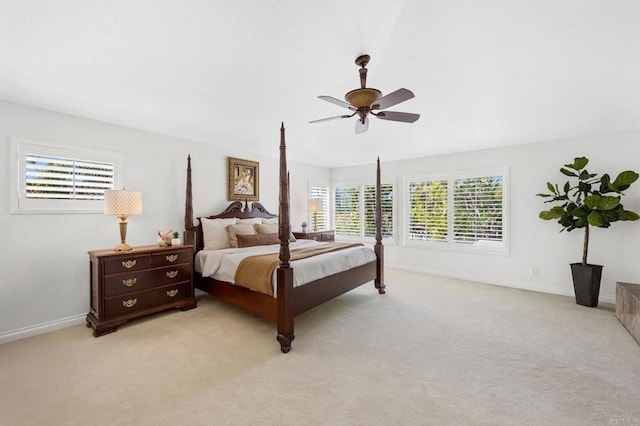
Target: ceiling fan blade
column 361, row 126
column 405, row 117
column 330, row 118
column 393, row 98
column 336, row 102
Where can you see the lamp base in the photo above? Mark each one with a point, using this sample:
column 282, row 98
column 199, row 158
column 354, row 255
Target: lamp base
column 123, row 247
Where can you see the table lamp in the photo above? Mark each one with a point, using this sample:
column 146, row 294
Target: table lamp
column 122, row 203
column 315, row 205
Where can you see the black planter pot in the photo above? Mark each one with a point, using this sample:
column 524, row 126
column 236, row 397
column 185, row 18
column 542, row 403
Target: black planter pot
column 586, row 283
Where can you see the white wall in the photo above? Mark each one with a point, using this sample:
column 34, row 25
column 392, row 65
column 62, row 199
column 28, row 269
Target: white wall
column 44, row 278
column 533, row 242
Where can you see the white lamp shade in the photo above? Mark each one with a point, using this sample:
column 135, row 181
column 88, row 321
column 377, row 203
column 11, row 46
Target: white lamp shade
column 121, row 202
column 315, row 205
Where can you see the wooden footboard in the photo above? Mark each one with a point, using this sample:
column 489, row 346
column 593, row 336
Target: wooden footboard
column 289, row 302
column 306, row 296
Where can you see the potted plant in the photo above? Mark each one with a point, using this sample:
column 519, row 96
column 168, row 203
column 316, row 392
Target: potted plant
column 590, row 200
column 176, row 239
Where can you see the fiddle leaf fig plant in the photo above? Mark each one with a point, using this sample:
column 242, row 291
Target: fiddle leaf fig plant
column 588, row 200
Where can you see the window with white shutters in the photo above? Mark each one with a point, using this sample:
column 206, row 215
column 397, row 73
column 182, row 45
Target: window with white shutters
column 354, row 210
column 55, row 179
column 458, row 210
column 477, row 207
column 66, row 178
column 347, row 210
column 428, row 210
column 386, row 202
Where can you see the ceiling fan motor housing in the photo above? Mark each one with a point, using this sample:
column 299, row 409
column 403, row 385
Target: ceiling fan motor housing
column 361, row 98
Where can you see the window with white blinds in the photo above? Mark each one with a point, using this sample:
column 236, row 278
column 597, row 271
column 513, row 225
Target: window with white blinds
column 66, row 178
column 386, row 202
column 428, row 210
column 354, row 210
column 477, row 207
column 322, row 216
column 346, row 210
column 456, row 210
column 52, row 178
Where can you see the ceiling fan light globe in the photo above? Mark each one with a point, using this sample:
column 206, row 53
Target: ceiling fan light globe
column 361, row 98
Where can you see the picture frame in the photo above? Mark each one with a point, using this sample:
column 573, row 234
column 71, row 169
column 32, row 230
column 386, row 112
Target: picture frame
column 243, row 180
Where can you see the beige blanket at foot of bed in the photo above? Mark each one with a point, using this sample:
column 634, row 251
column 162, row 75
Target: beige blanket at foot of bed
column 256, row 272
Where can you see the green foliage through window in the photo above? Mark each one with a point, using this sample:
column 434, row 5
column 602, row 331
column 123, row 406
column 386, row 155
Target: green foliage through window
column 428, row 211
column 466, row 210
column 347, row 210
column 355, row 210
column 386, row 201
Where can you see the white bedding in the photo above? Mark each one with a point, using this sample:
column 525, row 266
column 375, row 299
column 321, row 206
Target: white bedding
column 222, row 264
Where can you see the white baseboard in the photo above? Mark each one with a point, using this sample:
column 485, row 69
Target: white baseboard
column 605, row 298
column 45, row 327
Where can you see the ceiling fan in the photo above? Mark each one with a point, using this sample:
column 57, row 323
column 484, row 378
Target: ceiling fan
column 366, row 100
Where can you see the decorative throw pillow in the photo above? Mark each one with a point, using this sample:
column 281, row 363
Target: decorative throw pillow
column 257, row 240
column 270, row 220
column 239, row 229
column 214, row 233
column 268, row 228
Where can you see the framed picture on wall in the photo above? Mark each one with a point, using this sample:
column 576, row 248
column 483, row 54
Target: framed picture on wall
column 244, row 176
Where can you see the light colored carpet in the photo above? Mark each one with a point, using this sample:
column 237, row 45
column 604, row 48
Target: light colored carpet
column 430, row 351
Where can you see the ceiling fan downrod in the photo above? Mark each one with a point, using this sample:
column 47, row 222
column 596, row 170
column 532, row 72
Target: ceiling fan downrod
column 362, row 61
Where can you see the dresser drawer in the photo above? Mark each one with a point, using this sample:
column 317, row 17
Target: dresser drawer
column 137, row 301
column 328, row 236
column 126, row 264
column 171, row 258
column 141, row 280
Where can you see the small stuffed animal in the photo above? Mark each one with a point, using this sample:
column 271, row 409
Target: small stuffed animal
column 164, row 238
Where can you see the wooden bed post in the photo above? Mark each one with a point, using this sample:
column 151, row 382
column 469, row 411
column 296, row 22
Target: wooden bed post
column 189, row 233
column 379, row 248
column 284, row 284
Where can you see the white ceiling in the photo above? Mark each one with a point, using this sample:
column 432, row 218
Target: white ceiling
column 485, row 73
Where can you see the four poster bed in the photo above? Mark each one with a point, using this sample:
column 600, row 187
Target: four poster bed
column 338, row 269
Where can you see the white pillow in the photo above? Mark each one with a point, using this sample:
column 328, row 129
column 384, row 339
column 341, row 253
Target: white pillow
column 270, row 220
column 214, row 233
column 239, row 229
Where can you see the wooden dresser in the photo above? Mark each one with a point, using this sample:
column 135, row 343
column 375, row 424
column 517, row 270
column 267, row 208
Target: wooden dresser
column 317, row 235
column 148, row 279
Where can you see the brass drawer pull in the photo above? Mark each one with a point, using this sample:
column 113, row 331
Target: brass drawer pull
column 129, row 303
column 172, row 274
column 171, row 257
column 129, row 282
column 129, row 263
column 172, row 293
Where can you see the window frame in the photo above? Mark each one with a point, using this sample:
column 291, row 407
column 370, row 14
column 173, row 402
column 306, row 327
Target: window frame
column 20, row 204
column 361, row 184
column 500, row 248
